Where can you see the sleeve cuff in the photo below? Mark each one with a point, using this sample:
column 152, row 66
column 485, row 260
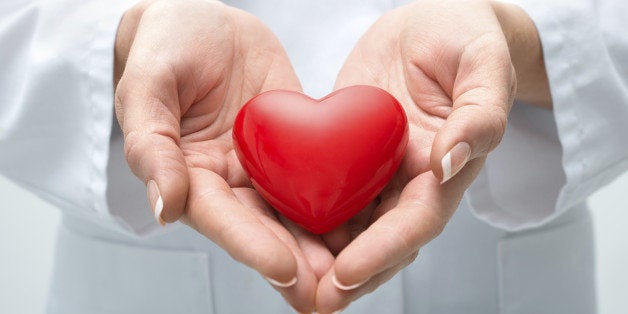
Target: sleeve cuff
column 546, row 164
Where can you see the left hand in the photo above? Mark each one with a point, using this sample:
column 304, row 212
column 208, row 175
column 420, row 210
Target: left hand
column 449, row 64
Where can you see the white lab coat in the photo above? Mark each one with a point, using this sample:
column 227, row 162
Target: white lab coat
column 521, row 243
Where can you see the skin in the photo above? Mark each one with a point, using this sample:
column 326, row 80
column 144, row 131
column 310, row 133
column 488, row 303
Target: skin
column 456, row 86
column 183, row 71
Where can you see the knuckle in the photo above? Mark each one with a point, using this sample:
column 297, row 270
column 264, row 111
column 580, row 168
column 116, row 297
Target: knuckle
column 498, row 120
column 140, row 144
column 487, row 46
column 429, row 224
column 404, row 239
column 491, row 121
column 133, row 149
column 432, row 224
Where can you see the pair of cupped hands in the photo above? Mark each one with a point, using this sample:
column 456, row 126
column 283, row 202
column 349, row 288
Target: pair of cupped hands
column 183, row 70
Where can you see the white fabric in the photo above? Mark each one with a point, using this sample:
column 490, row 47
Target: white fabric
column 55, row 131
column 585, row 51
column 56, row 100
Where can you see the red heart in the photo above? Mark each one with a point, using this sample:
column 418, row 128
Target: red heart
column 319, row 162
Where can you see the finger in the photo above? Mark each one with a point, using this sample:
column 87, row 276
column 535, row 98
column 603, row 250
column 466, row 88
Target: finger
column 146, row 111
column 317, row 254
column 423, row 209
column 331, row 299
column 302, row 294
column 337, row 239
column 154, row 86
column 483, row 94
column 215, row 211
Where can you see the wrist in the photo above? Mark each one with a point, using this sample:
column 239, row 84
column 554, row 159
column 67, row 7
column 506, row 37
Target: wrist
column 526, row 53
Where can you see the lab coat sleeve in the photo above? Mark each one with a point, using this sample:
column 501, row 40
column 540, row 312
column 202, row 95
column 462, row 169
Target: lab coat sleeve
column 56, row 99
column 549, row 162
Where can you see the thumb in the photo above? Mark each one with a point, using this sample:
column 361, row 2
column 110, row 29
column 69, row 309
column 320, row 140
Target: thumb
column 149, row 118
column 473, row 129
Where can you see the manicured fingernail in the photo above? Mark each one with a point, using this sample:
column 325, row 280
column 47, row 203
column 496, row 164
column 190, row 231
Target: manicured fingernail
column 340, row 286
column 156, row 202
column 279, row 284
column 455, row 160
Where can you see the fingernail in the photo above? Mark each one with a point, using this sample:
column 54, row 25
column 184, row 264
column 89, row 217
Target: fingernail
column 156, row 202
column 340, row 286
column 455, row 160
column 280, row 284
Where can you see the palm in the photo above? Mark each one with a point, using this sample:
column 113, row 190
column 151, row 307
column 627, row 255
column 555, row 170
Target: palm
column 426, row 103
column 219, row 186
column 223, row 80
column 187, row 69
column 206, row 127
column 426, row 72
column 449, row 82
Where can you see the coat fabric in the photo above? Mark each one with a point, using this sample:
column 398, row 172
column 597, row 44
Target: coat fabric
column 520, row 243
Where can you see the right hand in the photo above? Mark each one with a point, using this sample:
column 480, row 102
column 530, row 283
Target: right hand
column 452, row 65
column 183, row 70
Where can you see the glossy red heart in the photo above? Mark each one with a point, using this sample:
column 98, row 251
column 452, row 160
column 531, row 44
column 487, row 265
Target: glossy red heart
column 319, row 162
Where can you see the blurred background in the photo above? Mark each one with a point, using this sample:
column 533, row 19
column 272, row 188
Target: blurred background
column 27, row 240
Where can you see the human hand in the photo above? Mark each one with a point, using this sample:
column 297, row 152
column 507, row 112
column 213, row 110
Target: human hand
column 183, row 70
column 450, row 63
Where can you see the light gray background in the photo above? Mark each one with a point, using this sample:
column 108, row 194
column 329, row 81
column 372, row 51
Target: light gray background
column 27, row 234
